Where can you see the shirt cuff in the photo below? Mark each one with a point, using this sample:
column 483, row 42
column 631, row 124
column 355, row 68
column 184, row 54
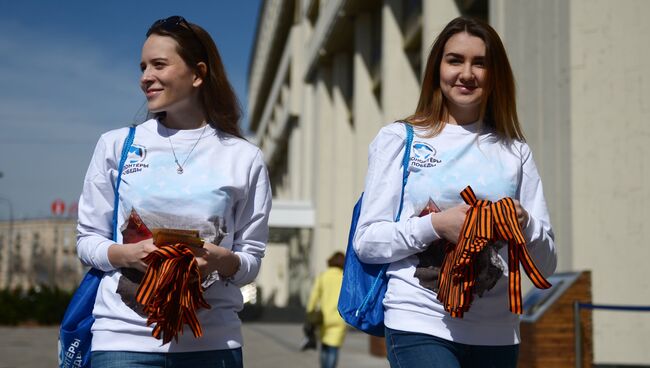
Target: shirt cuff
column 239, row 277
column 531, row 228
column 216, row 276
column 423, row 231
column 100, row 256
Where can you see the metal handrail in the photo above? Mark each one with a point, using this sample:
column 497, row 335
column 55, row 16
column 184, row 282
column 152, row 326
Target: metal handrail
column 576, row 321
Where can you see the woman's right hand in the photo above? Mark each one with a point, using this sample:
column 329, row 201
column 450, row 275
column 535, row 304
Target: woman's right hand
column 449, row 222
column 131, row 255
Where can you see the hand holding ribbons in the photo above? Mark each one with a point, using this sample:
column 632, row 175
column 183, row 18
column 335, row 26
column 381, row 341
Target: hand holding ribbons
column 486, row 222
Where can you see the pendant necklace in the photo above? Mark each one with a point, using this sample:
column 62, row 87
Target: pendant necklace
column 179, row 169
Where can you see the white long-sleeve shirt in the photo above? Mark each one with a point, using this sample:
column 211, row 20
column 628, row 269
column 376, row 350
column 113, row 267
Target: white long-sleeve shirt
column 440, row 168
column 224, row 188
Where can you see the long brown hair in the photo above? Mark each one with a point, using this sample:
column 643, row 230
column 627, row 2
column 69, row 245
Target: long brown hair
column 499, row 109
column 218, row 100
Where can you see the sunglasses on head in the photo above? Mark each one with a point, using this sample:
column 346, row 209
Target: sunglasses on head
column 172, row 24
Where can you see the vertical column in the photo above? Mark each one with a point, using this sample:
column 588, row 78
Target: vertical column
column 536, row 37
column 295, row 159
column 273, row 276
column 293, row 106
column 343, row 145
column 366, row 110
column 323, row 110
column 311, row 145
column 304, row 106
column 610, row 172
column 308, row 145
column 400, row 86
column 435, row 16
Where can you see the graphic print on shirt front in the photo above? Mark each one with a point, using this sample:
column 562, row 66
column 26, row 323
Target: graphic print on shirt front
column 454, row 170
column 164, row 199
column 139, row 227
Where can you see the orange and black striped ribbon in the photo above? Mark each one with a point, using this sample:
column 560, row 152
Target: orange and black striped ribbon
column 170, row 292
column 485, row 222
column 508, row 229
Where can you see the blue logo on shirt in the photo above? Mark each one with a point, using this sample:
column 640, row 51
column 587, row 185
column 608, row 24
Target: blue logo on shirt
column 137, row 153
column 135, row 158
column 423, row 151
column 424, row 155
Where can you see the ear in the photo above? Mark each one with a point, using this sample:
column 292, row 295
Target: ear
column 199, row 75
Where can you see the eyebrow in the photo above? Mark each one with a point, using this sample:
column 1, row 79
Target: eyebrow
column 453, row 54
column 460, row 56
column 143, row 62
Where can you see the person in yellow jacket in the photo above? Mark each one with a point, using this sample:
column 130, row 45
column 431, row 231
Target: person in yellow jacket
column 325, row 297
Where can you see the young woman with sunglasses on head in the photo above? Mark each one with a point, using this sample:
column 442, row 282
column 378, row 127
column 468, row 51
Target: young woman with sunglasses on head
column 466, row 133
column 188, row 168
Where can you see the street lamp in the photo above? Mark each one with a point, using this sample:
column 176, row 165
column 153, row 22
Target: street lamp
column 10, row 243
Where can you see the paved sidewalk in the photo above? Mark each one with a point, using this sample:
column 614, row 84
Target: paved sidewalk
column 271, row 345
column 268, row 345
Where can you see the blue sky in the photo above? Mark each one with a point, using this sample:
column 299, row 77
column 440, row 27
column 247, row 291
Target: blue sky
column 69, row 71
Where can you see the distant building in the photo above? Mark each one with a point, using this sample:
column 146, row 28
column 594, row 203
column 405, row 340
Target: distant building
column 39, row 253
column 327, row 74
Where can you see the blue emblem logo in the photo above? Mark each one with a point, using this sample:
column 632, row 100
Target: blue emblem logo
column 423, row 156
column 137, row 153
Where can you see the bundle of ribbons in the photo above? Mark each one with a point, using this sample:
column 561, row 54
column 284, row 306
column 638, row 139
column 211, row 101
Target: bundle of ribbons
column 485, row 222
column 170, row 291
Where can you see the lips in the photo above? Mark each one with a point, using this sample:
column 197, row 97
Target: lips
column 466, row 89
column 152, row 92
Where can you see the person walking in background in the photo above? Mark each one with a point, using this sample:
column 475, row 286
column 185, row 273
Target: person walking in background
column 324, row 297
column 188, row 169
column 466, row 133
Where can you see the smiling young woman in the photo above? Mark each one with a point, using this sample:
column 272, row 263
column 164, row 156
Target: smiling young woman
column 466, row 124
column 188, row 171
column 170, row 85
column 462, row 77
column 498, row 103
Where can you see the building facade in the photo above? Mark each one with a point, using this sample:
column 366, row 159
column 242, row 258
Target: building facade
column 326, row 75
column 39, row 252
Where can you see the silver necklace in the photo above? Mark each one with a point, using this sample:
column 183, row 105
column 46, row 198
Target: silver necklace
column 179, row 169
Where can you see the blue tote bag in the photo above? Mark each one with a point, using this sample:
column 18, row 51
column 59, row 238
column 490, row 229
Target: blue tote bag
column 364, row 285
column 74, row 335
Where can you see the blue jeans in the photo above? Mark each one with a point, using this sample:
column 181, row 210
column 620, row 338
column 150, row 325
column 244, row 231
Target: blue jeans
column 231, row 358
column 329, row 355
column 416, row 350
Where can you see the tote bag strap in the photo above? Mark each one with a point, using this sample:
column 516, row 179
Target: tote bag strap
column 125, row 152
column 405, row 165
column 75, row 332
column 405, row 175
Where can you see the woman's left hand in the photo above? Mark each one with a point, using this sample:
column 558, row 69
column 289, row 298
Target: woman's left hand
column 212, row 258
column 522, row 214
